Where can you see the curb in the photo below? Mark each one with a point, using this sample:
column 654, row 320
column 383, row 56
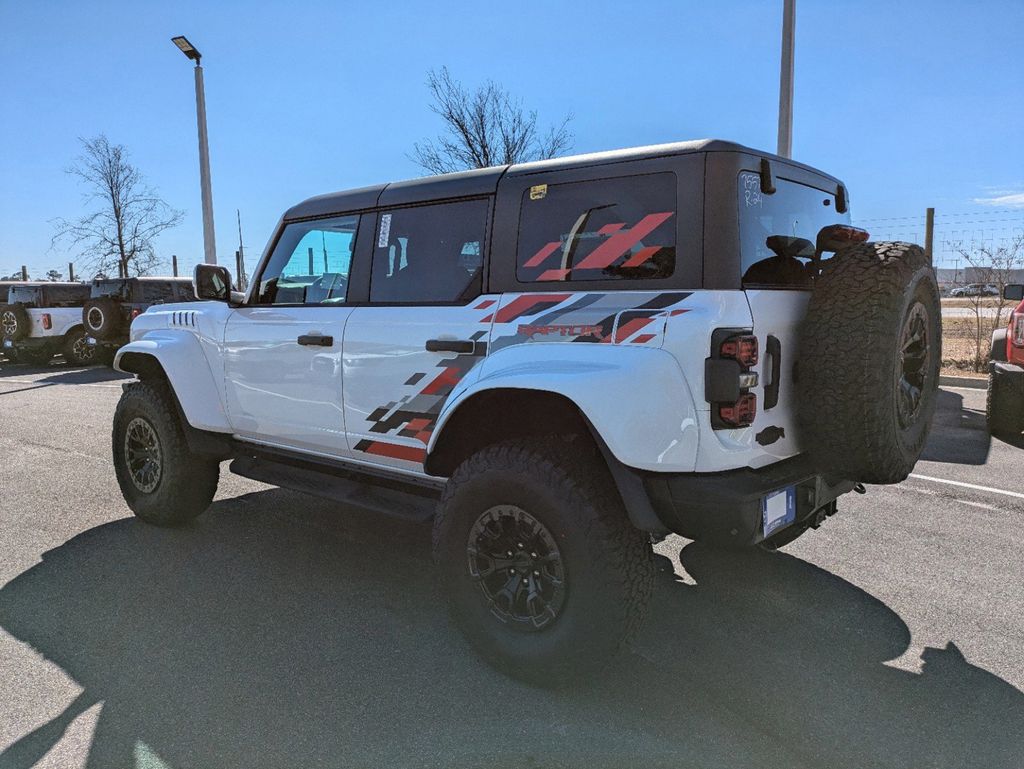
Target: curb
column 963, row 381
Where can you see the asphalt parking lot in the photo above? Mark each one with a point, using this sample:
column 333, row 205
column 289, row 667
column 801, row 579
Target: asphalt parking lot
column 281, row 631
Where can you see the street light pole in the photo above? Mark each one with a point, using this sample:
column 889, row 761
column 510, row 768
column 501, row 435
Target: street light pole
column 209, row 241
column 785, row 148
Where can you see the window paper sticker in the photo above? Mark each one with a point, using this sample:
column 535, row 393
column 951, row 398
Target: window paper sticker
column 751, row 189
column 385, row 231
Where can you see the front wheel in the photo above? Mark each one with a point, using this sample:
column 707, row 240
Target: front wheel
column 541, row 568
column 161, row 480
column 1004, row 406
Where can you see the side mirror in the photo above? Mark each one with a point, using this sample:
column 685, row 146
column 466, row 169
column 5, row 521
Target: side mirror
column 1013, row 292
column 211, row 281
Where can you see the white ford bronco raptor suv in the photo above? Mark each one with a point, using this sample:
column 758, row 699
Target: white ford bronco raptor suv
column 559, row 362
column 41, row 320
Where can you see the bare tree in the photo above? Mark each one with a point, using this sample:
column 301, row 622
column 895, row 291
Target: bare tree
column 990, row 266
column 484, row 127
column 127, row 216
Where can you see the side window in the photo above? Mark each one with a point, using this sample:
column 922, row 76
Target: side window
column 156, row 292
column 608, row 229
column 311, row 263
column 429, row 253
column 778, row 231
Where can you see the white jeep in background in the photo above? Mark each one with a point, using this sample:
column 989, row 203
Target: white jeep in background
column 559, row 362
column 40, row 320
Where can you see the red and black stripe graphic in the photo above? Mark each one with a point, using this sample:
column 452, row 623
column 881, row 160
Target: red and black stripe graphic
column 415, row 415
column 633, row 320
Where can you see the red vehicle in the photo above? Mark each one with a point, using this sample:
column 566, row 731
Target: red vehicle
column 1004, row 406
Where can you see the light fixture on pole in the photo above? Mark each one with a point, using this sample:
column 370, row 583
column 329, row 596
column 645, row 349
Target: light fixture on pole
column 209, row 242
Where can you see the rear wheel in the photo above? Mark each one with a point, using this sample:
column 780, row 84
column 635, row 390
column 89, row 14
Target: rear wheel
column 539, row 564
column 161, row 480
column 77, row 350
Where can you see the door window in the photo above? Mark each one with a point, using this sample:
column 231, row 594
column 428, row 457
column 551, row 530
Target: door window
column 607, row 229
column 311, row 263
column 429, row 254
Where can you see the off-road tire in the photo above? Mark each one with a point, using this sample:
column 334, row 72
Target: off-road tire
column 10, row 354
column 186, row 483
column 865, row 305
column 1004, row 407
column 608, row 564
column 15, row 323
column 102, row 317
column 35, row 356
column 77, row 352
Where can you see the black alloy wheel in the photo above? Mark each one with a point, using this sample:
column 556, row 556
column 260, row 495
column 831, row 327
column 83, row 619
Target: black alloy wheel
column 517, row 565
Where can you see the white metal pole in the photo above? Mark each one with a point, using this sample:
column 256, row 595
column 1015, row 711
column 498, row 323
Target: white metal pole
column 209, row 241
column 786, row 80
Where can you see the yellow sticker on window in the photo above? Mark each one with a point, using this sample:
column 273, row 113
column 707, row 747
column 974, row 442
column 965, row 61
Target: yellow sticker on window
column 538, row 191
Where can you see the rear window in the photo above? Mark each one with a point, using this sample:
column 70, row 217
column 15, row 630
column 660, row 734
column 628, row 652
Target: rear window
column 778, row 231
column 24, row 294
column 607, row 229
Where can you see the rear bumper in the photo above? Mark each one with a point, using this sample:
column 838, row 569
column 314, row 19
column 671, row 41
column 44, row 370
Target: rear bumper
column 30, row 342
column 726, row 507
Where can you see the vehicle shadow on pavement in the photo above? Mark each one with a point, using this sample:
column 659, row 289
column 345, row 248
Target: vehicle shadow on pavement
column 958, row 435
column 279, row 631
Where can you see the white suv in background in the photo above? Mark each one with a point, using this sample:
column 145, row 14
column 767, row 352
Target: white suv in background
column 559, row 361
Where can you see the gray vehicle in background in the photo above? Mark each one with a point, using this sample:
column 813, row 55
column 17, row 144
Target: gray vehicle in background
column 114, row 303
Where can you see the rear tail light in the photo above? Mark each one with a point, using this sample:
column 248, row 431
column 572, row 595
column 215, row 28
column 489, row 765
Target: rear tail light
column 47, row 321
column 136, row 312
column 1017, row 330
column 741, row 413
column 728, row 378
column 742, row 349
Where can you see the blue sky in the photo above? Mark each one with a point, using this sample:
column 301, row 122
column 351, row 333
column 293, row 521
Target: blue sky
column 911, row 103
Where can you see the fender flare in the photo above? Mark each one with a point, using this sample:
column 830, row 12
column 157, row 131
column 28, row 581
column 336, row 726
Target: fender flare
column 181, row 357
column 657, row 434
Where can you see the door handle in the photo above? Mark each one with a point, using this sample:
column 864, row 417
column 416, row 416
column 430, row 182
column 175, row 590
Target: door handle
column 771, row 390
column 316, row 340
column 466, row 346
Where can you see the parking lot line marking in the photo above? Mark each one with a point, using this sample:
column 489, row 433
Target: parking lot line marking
column 975, row 486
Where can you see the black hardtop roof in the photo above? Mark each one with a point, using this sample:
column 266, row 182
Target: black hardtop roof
column 484, row 181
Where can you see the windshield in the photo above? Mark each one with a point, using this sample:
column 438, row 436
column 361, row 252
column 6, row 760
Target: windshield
column 110, row 288
column 778, row 231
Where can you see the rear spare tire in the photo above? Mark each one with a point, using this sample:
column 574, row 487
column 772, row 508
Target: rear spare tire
column 102, row 317
column 868, row 373
column 14, row 322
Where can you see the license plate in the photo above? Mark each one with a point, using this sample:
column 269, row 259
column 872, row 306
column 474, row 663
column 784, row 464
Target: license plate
column 778, row 509
column 8, row 343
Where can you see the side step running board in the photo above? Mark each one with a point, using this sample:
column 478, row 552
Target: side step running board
column 415, row 505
